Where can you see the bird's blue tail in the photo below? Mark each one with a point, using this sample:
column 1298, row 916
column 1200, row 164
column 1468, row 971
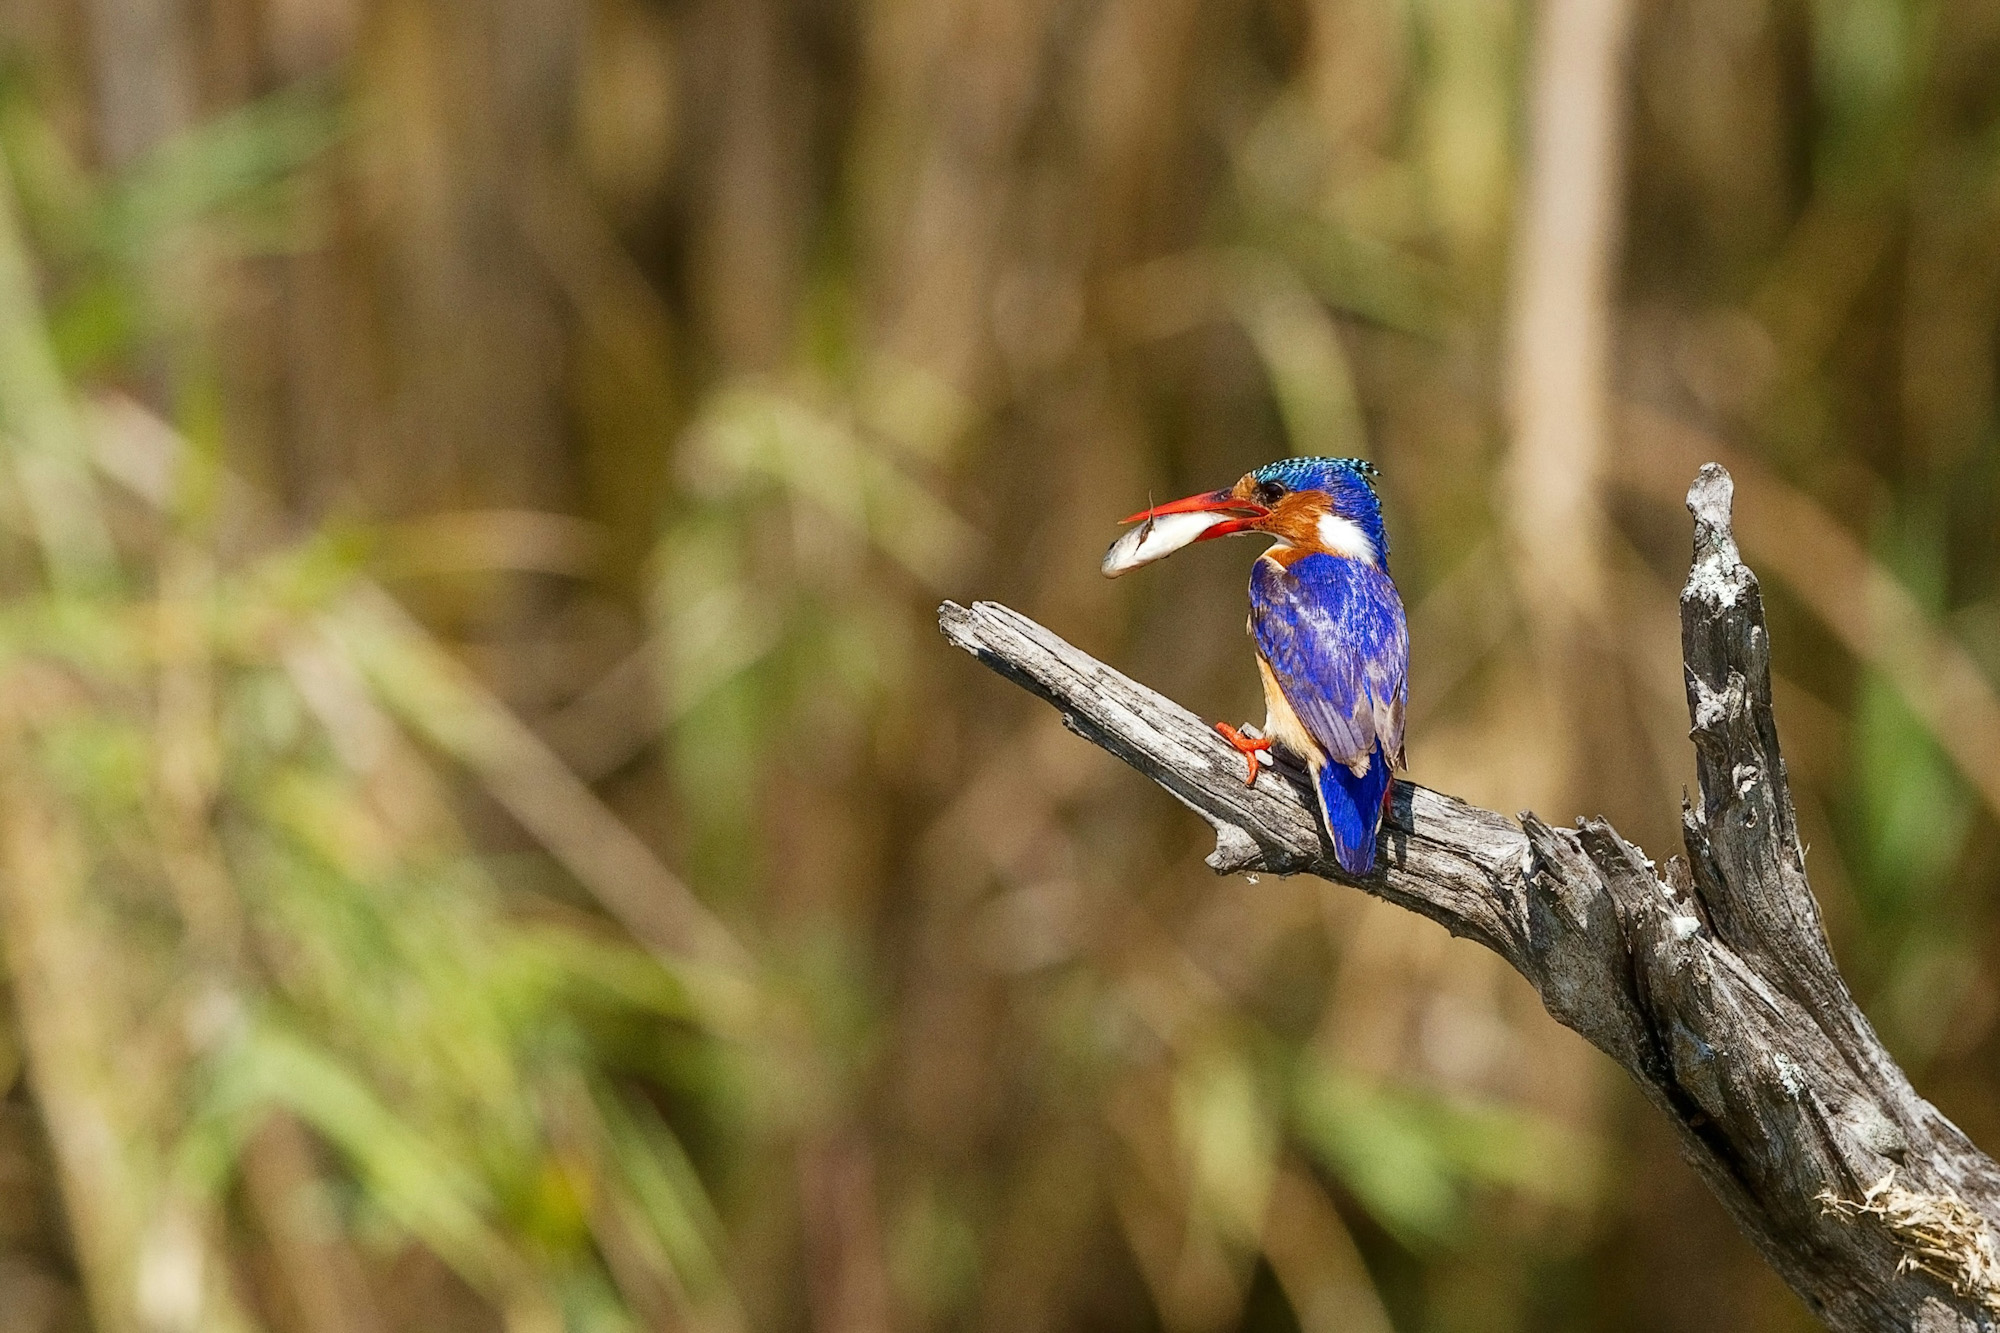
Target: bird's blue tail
column 1352, row 808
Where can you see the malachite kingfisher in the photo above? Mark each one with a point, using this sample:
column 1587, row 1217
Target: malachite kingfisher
column 1332, row 643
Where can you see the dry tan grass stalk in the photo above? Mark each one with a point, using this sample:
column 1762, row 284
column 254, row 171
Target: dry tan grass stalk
column 1939, row 1234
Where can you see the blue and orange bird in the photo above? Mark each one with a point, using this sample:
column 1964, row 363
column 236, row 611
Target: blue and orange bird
column 1332, row 644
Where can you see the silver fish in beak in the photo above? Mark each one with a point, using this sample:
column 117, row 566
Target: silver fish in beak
column 1156, row 539
column 1164, row 529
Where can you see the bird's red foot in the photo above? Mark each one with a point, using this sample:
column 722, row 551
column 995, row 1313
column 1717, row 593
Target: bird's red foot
column 1249, row 746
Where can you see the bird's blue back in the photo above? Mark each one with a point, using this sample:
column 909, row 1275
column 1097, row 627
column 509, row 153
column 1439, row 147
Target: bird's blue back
column 1332, row 630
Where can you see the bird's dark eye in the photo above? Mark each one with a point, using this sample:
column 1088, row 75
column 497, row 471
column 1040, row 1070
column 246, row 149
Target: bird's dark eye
column 1269, row 493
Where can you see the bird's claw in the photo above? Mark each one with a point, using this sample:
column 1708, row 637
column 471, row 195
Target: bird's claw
column 1255, row 749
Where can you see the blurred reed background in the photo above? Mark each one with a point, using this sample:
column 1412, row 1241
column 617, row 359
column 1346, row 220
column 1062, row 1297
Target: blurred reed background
column 489, row 836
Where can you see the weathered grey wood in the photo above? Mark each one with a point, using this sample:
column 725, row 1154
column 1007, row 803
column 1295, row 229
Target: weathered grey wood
column 1708, row 980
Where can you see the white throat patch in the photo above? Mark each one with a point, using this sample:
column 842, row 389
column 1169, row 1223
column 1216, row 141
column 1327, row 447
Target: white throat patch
column 1343, row 536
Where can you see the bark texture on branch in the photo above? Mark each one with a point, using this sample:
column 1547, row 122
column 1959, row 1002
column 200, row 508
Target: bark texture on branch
column 1709, row 980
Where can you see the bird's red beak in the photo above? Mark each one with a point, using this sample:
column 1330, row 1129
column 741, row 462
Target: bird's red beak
column 1210, row 502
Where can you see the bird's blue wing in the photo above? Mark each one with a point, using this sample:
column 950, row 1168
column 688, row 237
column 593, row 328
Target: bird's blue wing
column 1333, row 631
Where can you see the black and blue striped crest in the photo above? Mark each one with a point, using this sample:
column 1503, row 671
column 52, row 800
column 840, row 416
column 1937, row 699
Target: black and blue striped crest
column 1348, row 482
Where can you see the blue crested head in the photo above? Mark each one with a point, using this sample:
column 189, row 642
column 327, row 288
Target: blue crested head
column 1348, row 484
column 1310, row 505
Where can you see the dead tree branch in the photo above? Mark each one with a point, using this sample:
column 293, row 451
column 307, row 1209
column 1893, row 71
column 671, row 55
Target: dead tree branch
column 1709, row 980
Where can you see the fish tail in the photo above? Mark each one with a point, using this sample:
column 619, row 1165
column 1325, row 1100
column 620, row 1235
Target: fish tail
column 1352, row 808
